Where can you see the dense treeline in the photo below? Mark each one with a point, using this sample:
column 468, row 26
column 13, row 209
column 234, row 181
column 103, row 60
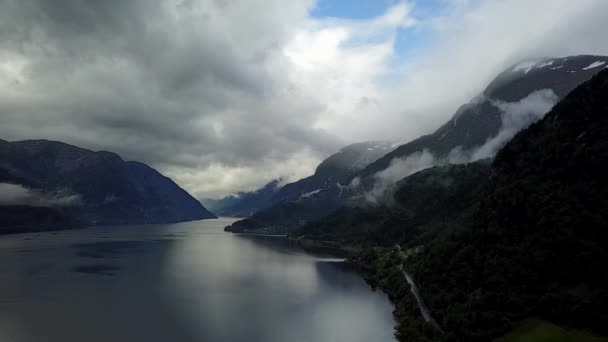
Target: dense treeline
column 427, row 198
column 537, row 242
column 527, row 237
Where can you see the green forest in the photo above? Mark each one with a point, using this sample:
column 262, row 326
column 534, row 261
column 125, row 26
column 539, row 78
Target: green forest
column 492, row 245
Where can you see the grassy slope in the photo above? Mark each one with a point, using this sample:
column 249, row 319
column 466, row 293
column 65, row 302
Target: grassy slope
column 543, row 331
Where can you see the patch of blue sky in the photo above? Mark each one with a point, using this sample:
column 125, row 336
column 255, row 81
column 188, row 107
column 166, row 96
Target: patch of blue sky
column 366, row 9
column 408, row 41
column 350, row 9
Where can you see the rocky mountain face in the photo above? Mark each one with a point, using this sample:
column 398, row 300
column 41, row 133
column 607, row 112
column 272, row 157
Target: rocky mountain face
column 482, row 118
column 92, row 188
column 516, row 98
column 317, row 195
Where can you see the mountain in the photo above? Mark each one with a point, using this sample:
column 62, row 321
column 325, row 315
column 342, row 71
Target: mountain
column 18, row 215
column 517, row 97
column 92, row 188
column 437, row 194
column 537, row 244
column 335, row 171
column 482, row 118
column 317, row 195
column 244, row 204
column 491, row 247
column 25, row 218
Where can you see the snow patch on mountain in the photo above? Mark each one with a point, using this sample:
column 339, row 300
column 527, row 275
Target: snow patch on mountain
column 544, row 64
column 594, row 65
column 525, row 66
column 309, row 194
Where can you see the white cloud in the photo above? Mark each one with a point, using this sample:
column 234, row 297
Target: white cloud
column 515, row 117
column 369, row 92
column 399, row 168
column 341, row 63
column 224, row 97
column 212, row 181
column 15, row 194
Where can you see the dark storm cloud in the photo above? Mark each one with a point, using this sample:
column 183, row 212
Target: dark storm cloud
column 225, row 95
column 169, row 83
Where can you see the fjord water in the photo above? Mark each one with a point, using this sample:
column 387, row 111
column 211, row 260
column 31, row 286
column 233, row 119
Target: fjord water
column 180, row 282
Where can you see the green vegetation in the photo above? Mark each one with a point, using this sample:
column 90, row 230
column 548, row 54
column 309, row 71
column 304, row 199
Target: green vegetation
column 424, row 201
column 543, row 331
column 381, row 269
column 526, row 237
column 536, row 242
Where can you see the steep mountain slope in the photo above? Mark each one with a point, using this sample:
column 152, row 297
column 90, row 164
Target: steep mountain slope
column 473, row 126
column 161, row 199
column 93, row 187
column 538, row 244
column 317, row 195
column 244, row 204
column 430, row 196
column 533, row 242
column 335, row 170
column 474, row 123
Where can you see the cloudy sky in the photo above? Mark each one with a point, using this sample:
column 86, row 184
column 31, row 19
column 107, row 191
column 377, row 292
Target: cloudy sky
column 225, row 95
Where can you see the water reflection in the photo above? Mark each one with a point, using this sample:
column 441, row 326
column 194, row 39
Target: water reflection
column 183, row 282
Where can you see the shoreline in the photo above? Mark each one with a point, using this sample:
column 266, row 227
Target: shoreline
column 367, row 272
column 364, row 270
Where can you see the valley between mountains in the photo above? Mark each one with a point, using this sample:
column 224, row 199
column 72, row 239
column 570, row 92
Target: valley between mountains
column 499, row 216
column 492, row 227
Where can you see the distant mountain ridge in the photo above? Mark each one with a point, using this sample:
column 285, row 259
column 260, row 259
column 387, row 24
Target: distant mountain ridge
column 477, row 121
column 336, row 170
column 470, row 128
column 93, row 188
column 319, row 194
column 244, row 204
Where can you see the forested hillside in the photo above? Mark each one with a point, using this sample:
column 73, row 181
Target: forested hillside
column 530, row 241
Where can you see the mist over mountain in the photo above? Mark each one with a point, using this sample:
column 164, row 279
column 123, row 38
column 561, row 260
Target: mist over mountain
column 317, row 195
column 244, row 204
column 89, row 188
column 516, row 98
column 513, row 100
column 221, row 100
column 304, row 170
column 437, row 194
column 492, row 245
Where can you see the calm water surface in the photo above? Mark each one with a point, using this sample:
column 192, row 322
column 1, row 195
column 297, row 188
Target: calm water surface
column 180, row 282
